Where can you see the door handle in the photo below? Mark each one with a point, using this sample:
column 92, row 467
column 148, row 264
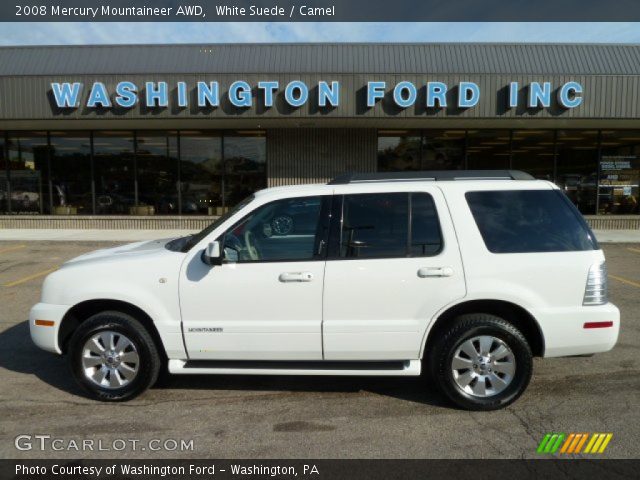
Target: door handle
column 425, row 272
column 296, row 277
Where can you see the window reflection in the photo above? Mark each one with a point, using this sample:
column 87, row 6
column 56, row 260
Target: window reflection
column 443, row 150
column 157, row 170
column 27, row 155
column 488, row 149
column 398, row 151
column 114, row 172
column 71, row 173
column 533, row 152
column 201, row 173
column 245, row 165
column 577, row 167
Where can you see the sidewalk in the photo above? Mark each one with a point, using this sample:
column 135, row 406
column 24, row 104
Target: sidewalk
column 617, row 236
column 9, row 234
column 69, row 235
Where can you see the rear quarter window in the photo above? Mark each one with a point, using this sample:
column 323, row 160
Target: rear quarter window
column 525, row 221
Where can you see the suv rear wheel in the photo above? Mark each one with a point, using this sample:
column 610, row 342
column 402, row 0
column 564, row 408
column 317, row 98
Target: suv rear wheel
column 113, row 357
column 481, row 362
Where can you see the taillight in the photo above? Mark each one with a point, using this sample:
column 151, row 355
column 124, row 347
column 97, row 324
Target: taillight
column 595, row 293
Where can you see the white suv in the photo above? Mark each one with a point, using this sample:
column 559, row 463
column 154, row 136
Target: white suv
column 465, row 275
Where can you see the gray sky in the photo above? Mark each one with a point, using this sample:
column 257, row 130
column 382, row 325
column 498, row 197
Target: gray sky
column 101, row 33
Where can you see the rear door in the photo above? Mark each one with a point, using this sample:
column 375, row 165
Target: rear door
column 393, row 264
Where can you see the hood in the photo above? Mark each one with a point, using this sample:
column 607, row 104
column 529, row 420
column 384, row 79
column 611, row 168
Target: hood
column 137, row 249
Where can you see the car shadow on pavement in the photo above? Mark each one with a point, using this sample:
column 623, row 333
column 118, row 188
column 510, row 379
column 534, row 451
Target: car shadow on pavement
column 413, row 389
column 19, row 354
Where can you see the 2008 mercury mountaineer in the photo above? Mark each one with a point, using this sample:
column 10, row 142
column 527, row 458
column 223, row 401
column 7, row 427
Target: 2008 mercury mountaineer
column 463, row 275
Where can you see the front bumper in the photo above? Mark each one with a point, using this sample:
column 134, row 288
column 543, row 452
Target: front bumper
column 45, row 335
column 565, row 333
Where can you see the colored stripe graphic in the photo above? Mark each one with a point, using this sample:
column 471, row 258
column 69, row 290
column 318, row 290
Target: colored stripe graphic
column 582, row 442
column 573, row 443
column 572, row 438
column 543, row 443
column 551, row 442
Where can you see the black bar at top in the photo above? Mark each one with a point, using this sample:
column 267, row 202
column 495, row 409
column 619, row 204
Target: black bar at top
column 321, row 11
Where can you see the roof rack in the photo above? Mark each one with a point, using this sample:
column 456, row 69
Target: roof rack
column 430, row 175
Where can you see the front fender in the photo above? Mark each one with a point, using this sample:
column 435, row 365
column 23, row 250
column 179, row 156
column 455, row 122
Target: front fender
column 152, row 291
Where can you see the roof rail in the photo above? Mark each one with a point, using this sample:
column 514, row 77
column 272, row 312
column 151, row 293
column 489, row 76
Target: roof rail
column 430, row 175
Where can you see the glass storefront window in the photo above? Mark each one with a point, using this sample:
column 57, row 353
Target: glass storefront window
column 28, row 159
column 443, row 150
column 488, row 149
column 245, row 166
column 205, row 173
column 399, row 151
column 532, row 151
column 618, row 191
column 114, row 169
column 201, row 173
column 577, row 167
column 157, row 170
column 71, row 191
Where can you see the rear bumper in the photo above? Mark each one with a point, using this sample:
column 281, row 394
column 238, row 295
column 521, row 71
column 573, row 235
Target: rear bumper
column 565, row 333
column 45, row 334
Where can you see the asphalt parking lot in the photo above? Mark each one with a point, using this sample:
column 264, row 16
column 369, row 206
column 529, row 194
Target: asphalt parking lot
column 299, row 417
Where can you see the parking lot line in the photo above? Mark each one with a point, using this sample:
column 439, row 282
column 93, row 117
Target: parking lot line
column 625, row 280
column 636, row 250
column 11, row 249
column 30, row 277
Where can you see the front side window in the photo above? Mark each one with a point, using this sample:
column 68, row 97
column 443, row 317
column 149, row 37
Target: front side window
column 383, row 225
column 284, row 230
column 525, row 221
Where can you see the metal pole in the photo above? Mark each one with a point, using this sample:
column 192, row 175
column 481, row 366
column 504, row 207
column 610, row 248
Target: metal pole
column 135, row 167
column 7, row 170
column 179, row 183
column 599, row 150
column 93, row 176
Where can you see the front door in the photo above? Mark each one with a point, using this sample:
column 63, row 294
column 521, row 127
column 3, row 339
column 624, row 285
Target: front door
column 393, row 264
column 265, row 301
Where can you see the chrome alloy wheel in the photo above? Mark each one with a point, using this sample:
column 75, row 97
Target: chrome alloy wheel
column 483, row 366
column 110, row 359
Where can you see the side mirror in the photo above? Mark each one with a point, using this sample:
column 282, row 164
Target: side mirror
column 211, row 255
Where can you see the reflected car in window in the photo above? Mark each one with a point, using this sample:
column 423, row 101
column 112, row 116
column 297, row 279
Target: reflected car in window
column 295, row 218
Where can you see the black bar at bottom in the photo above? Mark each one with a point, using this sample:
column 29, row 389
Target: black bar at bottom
column 553, row 468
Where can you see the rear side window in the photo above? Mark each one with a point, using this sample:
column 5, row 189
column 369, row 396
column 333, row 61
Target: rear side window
column 525, row 221
column 389, row 225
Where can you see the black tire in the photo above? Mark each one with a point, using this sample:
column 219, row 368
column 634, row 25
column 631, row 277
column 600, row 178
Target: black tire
column 466, row 327
column 149, row 358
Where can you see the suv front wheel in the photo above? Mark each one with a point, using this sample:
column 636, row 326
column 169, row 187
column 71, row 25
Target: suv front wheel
column 481, row 362
column 113, row 357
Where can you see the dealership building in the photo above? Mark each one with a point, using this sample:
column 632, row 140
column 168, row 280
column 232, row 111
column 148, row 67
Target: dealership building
column 153, row 136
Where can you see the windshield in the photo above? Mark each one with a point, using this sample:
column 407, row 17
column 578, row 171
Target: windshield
column 184, row 244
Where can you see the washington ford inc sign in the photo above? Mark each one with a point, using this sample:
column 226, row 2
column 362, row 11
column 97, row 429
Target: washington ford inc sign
column 127, row 94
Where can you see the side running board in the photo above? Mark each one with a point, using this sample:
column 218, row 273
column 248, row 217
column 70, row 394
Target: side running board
column 320, row 367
